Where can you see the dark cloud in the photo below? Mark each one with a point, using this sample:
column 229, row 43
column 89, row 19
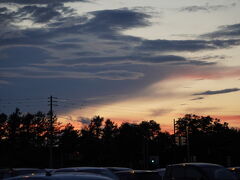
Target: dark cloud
column 40, row 73
column 91, row 59
column 116, row 20
column 3, row 10
column 218, row 91
column 186, row 45
column 39, row 1
column 88, row 55
column 229, row 31
column 22, row 56
column 198, row 98
column 105, row 23
column 84, row 120
column 6, row 17
column 40, row 14
column 216, row 57
column 43, row 14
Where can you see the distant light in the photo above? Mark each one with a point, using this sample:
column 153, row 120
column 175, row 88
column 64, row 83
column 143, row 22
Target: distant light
column 153, row 161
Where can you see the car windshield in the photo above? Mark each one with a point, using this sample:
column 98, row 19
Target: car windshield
column 219, row 173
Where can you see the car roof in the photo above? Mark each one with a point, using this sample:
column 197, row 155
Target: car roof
column 26, row 169
column 145, row 171
column 237, row 168
column 76, row 168
column 118, row 168
column 197, row 164
column 77, row 176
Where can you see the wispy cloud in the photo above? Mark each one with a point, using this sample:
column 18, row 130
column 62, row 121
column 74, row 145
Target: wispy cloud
column 38, row 73
column 206, row 7
column 198, row 98
column 223, row 91
column 202, row 110
column 186, row 45
column 160, row 112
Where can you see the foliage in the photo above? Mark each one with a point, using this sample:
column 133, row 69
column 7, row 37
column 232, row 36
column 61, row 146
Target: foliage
column 24, row 142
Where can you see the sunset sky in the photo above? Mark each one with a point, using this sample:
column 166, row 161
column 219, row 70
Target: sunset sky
column 128, row 61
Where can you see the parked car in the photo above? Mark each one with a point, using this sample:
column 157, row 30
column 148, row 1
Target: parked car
column 198, row 171
column 161, row 172
column 96, row 170
column 235, row 170
column 116, row 169
column 60, row 176
column 146, row 175
column 5, row 173
column 138, row 175
column 11, row 172
column 125, row 175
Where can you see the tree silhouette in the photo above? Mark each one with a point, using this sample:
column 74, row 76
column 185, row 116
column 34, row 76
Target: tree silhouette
column 68, row 143
column 109, row 131
column 24, row 142
column 3, row 126
column 149, row 129
column 209, row 139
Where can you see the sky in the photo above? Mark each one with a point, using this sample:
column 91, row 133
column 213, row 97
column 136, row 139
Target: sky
column 129, row 61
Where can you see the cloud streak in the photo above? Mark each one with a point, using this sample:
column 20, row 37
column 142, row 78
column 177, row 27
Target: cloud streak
column 38, row 73
column 223, row 91
column 160, row 112
column 196, row 99
column 206, row 8
column 228, row 31
column 186, row 45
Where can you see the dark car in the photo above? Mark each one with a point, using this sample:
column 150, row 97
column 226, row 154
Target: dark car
column 117, row 169
column 11, row 172
column 235, row 170
column 138, row 175
column 161, row 172
column 67, row 176
column 198, row 171
column 95, row 170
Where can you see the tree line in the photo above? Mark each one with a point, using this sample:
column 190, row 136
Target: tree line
column 24, row 142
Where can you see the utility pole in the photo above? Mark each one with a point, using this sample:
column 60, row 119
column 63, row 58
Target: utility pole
column 188, row 146
column 51, row 131
column 174, row 130
column 174, row 141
